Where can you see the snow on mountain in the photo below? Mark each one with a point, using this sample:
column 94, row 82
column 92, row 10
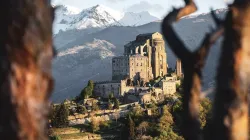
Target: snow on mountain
column 64, row 14
column 99, row 16
column 136, row 19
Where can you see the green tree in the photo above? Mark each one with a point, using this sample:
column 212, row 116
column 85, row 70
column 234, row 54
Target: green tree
column 110, row 105
column 111, row 96
column 205, row 111
column 55, row 138
column 116, row 103
column 165, row 128
column 91, row 84
column 131, row 128
column 95, row 106
column 61, row 116
column 88, row 90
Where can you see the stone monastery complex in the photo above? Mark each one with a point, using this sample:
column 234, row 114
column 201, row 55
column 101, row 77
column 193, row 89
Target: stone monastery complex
column 144, row 60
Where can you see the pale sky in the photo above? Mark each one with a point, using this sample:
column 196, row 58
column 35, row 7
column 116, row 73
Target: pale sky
column 158, row 8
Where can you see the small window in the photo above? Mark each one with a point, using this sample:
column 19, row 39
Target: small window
column 137, row 64
column 141, row 64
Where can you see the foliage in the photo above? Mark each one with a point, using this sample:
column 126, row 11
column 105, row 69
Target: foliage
column 205, row 111
column 137, row 114
column 116, row 103
column 131, row 128
column 110, row 105
column 60, row 116
column 154, row 109
column 95, row 106
column 55, row 138
column 170, row 71
column 165, row 128
column 88, row 90
column 91, row 84
column 105, row 124
column 94, row 125
column 142, row 128
column 81, row 109
column 111, row 96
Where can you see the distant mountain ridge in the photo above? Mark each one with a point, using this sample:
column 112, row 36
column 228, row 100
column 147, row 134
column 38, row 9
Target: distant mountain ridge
column 99, row 16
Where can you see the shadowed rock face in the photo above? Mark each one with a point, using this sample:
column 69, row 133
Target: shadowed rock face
column 69, row 82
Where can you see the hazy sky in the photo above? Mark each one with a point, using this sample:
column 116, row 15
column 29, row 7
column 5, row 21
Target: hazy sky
column 157, row 8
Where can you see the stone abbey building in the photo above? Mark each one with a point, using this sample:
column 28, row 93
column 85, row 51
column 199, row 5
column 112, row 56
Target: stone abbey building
column 144, row 59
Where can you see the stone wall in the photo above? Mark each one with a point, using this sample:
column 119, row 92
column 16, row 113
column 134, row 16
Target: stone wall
column 109, row 115
column 104, row 89
column 138, row 68
column 120, row 67
column 168, row 87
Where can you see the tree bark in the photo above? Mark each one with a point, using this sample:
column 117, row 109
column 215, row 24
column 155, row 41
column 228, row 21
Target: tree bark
column 25, row 74
column 231, row 100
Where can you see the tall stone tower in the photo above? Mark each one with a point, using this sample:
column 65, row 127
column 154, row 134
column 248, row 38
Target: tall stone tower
column 159, row 56
column 178, row 68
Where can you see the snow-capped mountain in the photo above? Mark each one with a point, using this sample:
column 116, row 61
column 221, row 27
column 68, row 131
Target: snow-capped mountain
column 99, row 16
column 136, row 19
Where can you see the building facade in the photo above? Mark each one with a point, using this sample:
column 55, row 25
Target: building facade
column 145, row 58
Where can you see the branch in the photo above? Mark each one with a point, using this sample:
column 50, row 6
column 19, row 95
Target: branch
column 209, row 40
column 171, row 37
column 215, row 18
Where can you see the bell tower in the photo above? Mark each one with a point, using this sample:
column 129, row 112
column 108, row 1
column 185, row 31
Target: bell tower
column 159, row 55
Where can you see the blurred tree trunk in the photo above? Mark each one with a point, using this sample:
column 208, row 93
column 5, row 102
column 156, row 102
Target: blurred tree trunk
column 231, row 100
column 193, row 63
column 25, row 74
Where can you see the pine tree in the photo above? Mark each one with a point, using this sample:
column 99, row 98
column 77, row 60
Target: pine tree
column 110, row 105
column 61, row 117
column 116, row 103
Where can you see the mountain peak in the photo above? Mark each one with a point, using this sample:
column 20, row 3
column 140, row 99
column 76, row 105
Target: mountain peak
column 68, row 10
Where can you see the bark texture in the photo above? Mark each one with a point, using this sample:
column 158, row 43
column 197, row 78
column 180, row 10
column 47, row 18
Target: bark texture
column 25, row 74
column 231, row 100
column 193, row 63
